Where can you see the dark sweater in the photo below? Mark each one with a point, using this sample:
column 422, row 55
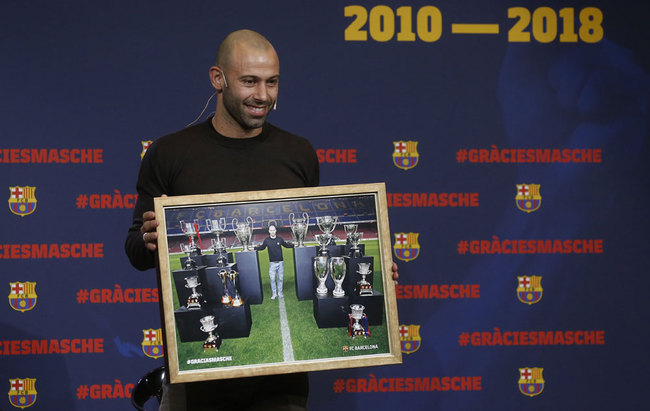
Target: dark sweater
column 275, row 251
column 198, row 160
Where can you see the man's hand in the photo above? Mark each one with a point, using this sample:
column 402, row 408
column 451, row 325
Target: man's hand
column 395, row 273
column 148, row 230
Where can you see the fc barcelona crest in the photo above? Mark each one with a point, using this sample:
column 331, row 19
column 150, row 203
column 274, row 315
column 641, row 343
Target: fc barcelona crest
column 409, row 337
column 152, row 343
column 22, row 392
column 531, row 382
column 528, row 198
column 529, row 289
column 406, row 154
column 22, row 200
column 22, row 296
column 145, row 146
column 406, row 246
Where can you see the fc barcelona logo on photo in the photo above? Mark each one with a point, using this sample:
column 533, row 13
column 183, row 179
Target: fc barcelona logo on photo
column 145, row 146
column 152, row 343
column 22, row 392
column 22, row 296
column 406, row 154
column 22, row 200
column 531, row 382
column 528, row 198
column 529, row 289
column 409, row 337
column 406, row 246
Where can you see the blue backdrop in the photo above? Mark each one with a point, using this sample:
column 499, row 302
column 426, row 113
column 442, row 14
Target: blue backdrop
column 512, row 137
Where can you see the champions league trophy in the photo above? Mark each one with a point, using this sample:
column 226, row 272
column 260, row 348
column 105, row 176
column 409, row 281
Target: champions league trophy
column 299, row 227
column 244, row 232
column 213, row 341
column 321, row 271
column 190, row 230
column 189, row 263
column 226, row 299
column 337, row 271
column 193, row 299
column 357, row 329
column 364, row 287
column 237, row 301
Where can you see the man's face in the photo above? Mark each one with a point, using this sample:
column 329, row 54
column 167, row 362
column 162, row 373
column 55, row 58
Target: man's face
column 253, row 78
column 272, row 231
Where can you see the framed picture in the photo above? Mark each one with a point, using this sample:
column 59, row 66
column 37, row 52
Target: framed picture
column 278, row 281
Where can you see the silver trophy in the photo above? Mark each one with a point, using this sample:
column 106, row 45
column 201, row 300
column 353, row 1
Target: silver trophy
column 191, row 230
column 364, row 287
column 355, row 239
column 337, row 271
column 217, row 227
column 193, row 300
column 244, row 232
column 237, row 301
column 320, row 271
column 189, row 263
column 218, row 246
column 226, row 299
column 350, row 229
column 324, row 240
column 360, row 326
column 327, row 223
column 299, row 228
column 207, row 326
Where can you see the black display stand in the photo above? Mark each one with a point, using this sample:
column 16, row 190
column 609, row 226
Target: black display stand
column 331, row 312
column 250, row 280
column 303, row 258
column 211, row 259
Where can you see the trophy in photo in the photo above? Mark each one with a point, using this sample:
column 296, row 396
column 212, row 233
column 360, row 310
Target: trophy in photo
column 327, row 223
column 189, row 263
column 299, row 228
column 355, row 239
column 226, row 299
column 244, row 232
column 218, row 244
column 363, row 286
column 207, row 326
column 323, row 241
column 350, row 229
column 337, row 271
column 191, row 230
column 320, row 271
column 193, row 300
column 237, row 301
column 358, row 322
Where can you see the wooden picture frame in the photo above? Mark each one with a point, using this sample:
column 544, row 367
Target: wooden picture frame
column 303, row 330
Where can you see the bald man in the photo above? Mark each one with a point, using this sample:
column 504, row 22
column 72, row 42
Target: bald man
column 235, row 150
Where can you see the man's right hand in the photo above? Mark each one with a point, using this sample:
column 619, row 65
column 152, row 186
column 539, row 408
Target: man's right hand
column 148, row 230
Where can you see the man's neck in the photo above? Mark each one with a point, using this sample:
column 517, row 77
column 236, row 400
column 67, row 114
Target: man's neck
column 233, row 130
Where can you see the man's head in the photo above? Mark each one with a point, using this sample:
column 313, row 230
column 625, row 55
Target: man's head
column 272, row 231
column 246, row 76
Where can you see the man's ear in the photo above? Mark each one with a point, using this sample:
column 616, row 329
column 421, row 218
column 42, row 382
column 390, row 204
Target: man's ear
column 217, row 78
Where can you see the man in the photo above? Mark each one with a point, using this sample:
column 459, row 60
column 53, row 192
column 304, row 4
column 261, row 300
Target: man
column 276, row 262
column 236, row 150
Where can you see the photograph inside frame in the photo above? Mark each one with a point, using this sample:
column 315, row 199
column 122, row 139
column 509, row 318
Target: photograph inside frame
column 276, row 281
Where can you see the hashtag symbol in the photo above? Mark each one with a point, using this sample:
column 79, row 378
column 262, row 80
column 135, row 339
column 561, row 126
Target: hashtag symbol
column 461, row 155
column 82, row 201
column 82, row 296
column 339, row 385
column 462, row 247
column 463, row 339
column 82, row 392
